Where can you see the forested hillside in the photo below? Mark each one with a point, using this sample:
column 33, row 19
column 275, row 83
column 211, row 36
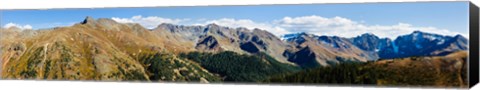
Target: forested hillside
column 241, row 67
column 447, row 71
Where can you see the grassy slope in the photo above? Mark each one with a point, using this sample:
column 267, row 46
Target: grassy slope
column 447, row 71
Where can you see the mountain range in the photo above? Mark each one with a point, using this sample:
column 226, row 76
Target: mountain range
column 104, row 49
column 368, row 47
column 307, row 48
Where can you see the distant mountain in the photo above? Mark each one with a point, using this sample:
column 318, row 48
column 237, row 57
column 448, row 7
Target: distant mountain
column 415, row 44
column 314, row 50
column 425, row 44
column 310, row 50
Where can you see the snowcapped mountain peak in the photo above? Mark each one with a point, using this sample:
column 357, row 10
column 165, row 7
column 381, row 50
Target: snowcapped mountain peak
column 368, row 34
column 417, row 31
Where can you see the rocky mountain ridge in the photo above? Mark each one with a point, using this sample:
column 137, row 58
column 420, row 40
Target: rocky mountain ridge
column 302, row 49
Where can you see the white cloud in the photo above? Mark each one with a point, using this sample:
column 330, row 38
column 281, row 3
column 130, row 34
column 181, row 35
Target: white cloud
column 229, row 22
column 8, row 25
column 339, row 26
column 150, row 21
column 334, row 26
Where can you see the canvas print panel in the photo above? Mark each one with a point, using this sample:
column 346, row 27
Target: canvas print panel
column 380, row 44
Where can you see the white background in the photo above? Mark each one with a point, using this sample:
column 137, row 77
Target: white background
column 87, row 85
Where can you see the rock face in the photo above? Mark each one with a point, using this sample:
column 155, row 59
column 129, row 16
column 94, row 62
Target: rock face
column 208, row 43
column 371, row 44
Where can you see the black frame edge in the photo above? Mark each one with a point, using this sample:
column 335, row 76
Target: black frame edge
column 473, row 61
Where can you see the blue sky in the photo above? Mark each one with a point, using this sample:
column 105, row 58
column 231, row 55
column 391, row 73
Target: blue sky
column 451, row 17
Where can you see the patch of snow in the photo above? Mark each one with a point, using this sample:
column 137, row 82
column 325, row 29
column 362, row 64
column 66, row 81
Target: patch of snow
column 431, row 37
column 441, row 42
column 326, row 43
column 395, row 48
column 285, row 37
column 289, row 36
column 295, row 35
column 415, row 36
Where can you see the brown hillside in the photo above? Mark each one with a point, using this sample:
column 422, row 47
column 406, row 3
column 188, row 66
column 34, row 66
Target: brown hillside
column 96, row 50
